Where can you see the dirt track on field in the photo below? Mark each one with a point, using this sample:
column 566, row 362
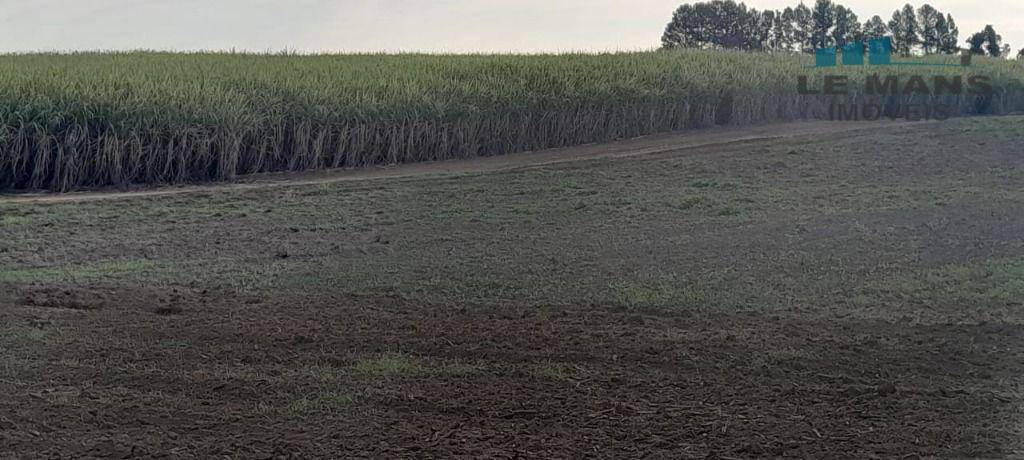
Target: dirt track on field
column 647, row 145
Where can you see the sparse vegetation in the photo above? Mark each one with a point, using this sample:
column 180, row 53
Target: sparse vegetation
column 555, row 371
column 400, row 365
column 396, row 365
column 330, row 401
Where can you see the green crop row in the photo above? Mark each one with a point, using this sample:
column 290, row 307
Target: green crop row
column 98, row 119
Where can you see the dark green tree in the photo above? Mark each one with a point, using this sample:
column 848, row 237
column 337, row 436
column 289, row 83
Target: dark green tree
column 986, row 42
column 686, row 30
column 730, row 24
column 847, row 28
column 803, row 25
column 977, row 43
column 950, row 41
column 770, row 23
column 993, row 42
column 928, row 18
column 824, row 18
column 941, row 31
column 714, row 24
column 875, row 28
column 905, row 30
column 785, row 30
column 757, row 30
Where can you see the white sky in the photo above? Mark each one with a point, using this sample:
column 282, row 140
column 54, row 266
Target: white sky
column 397, row 25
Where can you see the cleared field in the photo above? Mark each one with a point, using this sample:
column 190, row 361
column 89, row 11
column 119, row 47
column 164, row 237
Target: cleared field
column 82, row 120
column 854, row 295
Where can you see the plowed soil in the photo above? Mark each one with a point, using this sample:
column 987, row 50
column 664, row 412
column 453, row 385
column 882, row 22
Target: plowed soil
column 202, row 374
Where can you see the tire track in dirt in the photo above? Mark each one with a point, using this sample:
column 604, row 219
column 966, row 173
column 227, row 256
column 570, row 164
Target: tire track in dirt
column 642, row 146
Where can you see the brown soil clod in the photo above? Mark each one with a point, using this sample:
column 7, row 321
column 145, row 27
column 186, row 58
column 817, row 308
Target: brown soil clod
column 169, row 310
column 61, row 298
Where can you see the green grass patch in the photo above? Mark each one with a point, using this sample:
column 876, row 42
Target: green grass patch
column 84, row 272
column 987, row 283
column 401, row 365
column 19, row 337
column 671, row 292
column 322, row 402
column 555, row 371
column 688, row 202
column 390, row 366
column 14, row 220
column 728, row 211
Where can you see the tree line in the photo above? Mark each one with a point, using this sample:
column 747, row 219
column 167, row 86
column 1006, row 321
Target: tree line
column 728, row 24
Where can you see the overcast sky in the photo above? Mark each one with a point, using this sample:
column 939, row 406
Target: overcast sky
column 396, row 25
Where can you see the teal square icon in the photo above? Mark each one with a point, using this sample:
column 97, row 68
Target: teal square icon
column 853, row 54
column 825, row 57
column 880, row 51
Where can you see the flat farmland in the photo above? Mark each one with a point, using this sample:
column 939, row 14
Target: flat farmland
column 856, row 292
